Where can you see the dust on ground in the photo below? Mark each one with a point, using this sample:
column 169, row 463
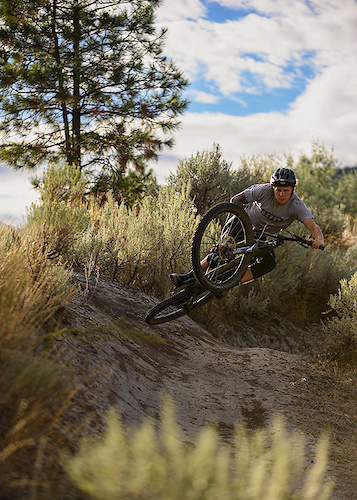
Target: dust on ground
column 123, row 362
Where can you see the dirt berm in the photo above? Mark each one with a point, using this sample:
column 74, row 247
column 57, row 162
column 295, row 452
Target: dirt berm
column 123, row 362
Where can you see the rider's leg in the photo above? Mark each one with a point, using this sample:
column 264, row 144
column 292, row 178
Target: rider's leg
column 260, row 266
column 232, row 228
column 248, row 276
column 181, row 279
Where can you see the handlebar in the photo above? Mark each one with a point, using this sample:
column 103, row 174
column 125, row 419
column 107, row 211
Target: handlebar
column 294, row 237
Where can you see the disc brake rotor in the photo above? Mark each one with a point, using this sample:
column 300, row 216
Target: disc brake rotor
column 226, row 247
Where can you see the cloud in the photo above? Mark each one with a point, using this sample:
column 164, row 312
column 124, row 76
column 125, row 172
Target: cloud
column 16, row 195
column 184, row 9
column 325, row 112
column 204, row 97
column 224, row 53
column 268, row 47
column 271, row 43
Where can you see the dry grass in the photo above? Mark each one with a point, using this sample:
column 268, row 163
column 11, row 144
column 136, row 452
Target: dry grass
column 34, row 390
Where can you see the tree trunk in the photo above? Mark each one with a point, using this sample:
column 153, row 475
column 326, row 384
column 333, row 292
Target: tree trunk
column 76, row 118
column 61, row 89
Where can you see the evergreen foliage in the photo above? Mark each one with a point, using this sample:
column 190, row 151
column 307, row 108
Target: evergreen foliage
column 86, row 82
column 127, row 186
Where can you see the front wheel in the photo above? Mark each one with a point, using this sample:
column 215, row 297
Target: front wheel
column 218, row 258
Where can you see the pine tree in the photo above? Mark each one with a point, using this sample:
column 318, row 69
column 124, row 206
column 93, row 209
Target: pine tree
column 85, row 81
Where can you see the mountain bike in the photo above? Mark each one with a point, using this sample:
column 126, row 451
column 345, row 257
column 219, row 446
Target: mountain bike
column 225, row 241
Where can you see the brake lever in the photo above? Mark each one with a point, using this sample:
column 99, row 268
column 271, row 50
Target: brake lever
column 309, row 244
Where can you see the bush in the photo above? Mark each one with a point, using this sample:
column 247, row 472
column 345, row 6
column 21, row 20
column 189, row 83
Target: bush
column 303, row 280
column 211, row 179
column 139, row 247
column 32, row 289
column 35, row 393
column 62, row 214
column 341, row 329
column 138, row 463
column 258, row 169
column 298, row 288
column 324, row 188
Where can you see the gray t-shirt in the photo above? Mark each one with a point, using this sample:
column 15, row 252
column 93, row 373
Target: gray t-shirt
column 263, row 209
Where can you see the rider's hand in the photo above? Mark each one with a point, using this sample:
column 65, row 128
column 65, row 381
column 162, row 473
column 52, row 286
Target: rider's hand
column 317, row 243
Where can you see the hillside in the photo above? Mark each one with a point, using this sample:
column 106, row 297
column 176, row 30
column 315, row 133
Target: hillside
column 121, row 361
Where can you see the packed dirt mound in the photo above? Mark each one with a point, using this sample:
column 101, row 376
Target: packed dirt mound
column 123, row 362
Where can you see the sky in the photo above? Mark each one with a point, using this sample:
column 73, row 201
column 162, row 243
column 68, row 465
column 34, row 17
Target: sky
column 266, row 77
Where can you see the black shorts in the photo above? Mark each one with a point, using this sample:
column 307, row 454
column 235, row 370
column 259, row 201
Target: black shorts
column 263, row 265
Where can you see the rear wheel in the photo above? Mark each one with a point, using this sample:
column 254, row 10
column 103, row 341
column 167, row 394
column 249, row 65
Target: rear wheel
column 224, row 229
column 177, row 305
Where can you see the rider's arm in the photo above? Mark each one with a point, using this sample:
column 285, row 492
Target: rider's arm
column 315, row 232
column 239, row 199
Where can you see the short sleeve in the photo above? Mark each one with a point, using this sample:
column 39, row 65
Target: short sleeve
column 301, row 210
column 253, row 193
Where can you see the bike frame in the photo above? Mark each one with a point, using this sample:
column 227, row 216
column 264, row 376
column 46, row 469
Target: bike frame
column 259, row 248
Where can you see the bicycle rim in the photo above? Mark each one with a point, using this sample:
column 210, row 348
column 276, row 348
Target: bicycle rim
column 177, row 305
column 199, row 300
column 223, row 229
column 169, row 309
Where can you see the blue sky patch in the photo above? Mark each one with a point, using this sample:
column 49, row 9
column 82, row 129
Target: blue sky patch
column 220, row 14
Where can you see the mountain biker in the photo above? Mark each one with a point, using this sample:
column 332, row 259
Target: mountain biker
column 270, row 206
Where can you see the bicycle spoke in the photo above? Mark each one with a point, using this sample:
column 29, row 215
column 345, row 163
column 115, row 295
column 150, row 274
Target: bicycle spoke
column 221, row 231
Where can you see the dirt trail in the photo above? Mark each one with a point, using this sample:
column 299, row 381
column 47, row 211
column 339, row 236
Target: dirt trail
column 210, row 381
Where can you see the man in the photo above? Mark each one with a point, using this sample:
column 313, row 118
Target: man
column 270, row 206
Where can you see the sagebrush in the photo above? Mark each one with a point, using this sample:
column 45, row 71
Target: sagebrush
column 141, row 463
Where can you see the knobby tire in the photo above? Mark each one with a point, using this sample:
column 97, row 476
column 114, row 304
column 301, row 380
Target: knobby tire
column 163, row 312
column 236, row 266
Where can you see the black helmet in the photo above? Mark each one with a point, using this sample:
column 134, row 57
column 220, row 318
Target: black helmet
column 283, row 177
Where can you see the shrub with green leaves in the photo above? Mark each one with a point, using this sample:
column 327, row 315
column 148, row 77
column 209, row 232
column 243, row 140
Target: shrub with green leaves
column 210, row 177
column 142, row 464
column 62, row 213
column 299, row 287
column 303, row 280
column 322, row 186
column 341, row 329
column 140, row 247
